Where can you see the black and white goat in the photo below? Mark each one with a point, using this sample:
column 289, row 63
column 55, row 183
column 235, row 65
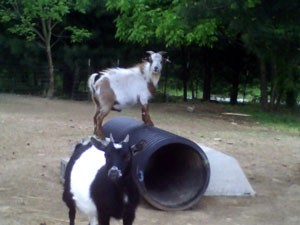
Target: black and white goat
column 98, row 181
column 119, row 88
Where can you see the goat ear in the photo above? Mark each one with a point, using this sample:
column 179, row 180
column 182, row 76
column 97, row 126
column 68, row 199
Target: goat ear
column 150, row 52
column 126, row 139
column 111, row 138
column 138, row 147
column 162, row 52
column 168, row 60
column 99, row 144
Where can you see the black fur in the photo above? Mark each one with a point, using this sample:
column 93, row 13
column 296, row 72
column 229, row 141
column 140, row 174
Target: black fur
column 120, row 198
column 67, row 195
column 116, row 198
column 97, row 77
column 110, row 197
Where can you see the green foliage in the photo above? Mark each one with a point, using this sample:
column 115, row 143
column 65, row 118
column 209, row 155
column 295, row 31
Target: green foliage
column 42, row 21
column 44, row 9
column 78, row 34
column 252, row 3
column 172, row 28
column 138, row 26
column 271, row 31
column 204, row 33
column 39, row 18
column 163, row 21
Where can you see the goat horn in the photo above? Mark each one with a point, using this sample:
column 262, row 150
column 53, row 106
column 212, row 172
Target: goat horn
column 150, row 52
column 126, row 138
column 168, row 60
column 111, row 138
column 162, row 52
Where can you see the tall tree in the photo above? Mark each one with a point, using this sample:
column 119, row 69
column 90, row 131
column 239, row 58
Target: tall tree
column 178, row 24
column 42, row 21
column 271, row 31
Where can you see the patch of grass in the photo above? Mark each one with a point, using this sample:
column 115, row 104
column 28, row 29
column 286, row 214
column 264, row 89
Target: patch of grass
column 282, row 119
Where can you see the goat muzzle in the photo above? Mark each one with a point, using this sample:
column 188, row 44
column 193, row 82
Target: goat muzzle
column 114, row 173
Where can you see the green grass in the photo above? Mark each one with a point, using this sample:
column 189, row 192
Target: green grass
column 283, row 119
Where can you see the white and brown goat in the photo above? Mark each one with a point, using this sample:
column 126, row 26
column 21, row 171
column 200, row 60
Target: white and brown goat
column 119, row 88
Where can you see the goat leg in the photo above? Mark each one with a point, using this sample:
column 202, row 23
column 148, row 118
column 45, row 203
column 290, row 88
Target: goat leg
column 102, row 218
column 95, row 121
column 72, row 213
column 97, row 104
column 98, row 129
column 146, row 116
column 128, row 217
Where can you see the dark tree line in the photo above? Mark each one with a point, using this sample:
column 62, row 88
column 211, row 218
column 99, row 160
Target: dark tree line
column 218, row 47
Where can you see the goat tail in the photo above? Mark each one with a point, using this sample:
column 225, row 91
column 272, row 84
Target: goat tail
column 92, row 80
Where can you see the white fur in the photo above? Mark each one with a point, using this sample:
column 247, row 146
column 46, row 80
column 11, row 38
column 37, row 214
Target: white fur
column 82, row 176
column 125, row 199
column 130, row 85
column 127, row 84
column 118, row 146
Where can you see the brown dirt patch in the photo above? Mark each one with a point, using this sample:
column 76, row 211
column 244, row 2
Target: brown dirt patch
column 35, row 133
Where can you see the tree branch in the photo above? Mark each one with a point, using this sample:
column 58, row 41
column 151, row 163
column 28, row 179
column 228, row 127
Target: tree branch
column 54, row 25
column 38, row 33
column 44, row 30
column 49, row 27
column 59, row 36
column 16, row 8
column 41, row 45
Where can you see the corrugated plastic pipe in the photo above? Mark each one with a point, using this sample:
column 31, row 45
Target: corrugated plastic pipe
column 172, row 172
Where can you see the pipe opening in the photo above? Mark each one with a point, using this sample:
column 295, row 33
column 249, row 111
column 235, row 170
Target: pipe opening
column 175, row 175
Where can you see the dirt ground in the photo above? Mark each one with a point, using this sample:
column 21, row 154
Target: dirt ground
column 35, row 133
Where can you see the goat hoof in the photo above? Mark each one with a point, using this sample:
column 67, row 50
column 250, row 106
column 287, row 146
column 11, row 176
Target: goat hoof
column 99, row 137
column 150, row 124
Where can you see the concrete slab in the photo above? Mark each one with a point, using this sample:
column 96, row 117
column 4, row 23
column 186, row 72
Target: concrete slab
column 226, row 176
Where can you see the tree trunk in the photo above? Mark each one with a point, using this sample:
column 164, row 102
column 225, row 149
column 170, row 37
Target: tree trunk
column 76, row 82
column 279, row 97
column 166, row 83
column 184, row 87
column 206, row 81
column 46, row 38
column 185, row 51
column 50, row 92
column 273, row 84
column 196, row 88
column 207, row 75
column 234, row 89
column 68, row 80
column 192, row 89
column 291, row 99
column 263, row 86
